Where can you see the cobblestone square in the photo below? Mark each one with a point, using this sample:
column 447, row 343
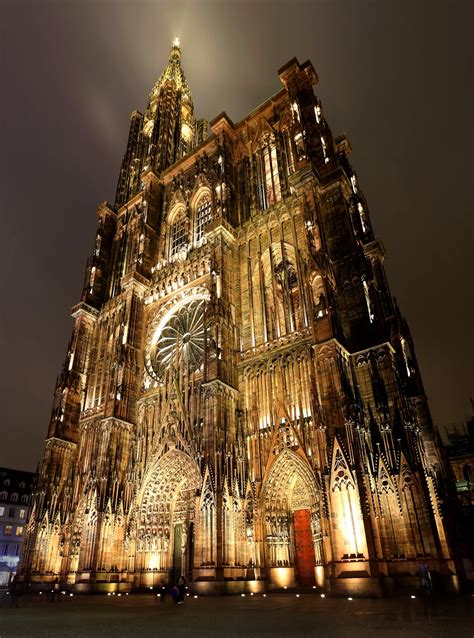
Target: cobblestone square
column 275, row 615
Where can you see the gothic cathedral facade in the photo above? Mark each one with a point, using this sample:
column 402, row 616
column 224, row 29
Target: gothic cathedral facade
column 240, row 401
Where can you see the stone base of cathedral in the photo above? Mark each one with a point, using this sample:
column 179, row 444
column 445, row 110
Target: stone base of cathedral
column 227, row 587
column 356, row 586
column 246, row 580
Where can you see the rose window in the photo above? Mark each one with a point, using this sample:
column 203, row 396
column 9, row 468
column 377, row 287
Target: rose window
column 180, row 341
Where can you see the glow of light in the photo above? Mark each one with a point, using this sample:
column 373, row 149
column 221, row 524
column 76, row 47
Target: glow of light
column 243, row 595
column 71, row 594
column 264, row 595
column 176, row 42
column 323, row 595
column 297, row 595
column 349, row 598
column 412, row 596
column 195, row 595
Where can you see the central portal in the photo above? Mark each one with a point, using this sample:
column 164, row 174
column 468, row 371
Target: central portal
column 165, row 526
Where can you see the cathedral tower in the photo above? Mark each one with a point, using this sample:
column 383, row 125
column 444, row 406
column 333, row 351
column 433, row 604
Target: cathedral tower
column 240, row 401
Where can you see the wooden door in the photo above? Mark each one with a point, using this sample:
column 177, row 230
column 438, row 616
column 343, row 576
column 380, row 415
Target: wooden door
column 304, row 548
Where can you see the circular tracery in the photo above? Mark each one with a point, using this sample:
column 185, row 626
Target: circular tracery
column 180, row 341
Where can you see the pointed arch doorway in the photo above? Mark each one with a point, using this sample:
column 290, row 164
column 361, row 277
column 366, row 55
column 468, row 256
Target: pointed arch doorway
column 165, row 519
column 292, row 531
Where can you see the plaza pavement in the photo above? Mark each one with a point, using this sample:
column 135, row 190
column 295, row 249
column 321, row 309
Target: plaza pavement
column 273, row 616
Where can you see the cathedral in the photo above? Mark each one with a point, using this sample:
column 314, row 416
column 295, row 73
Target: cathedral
column 240, row 401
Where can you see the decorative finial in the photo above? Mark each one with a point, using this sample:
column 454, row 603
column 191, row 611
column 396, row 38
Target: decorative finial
column 176, row 42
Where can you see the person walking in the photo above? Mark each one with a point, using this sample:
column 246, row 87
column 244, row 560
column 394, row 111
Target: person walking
column 181, row 589
column 14, row 594
column 426, row 590
column 175, row 594
column 426, row 582
column 54, row 590
column 163, row 592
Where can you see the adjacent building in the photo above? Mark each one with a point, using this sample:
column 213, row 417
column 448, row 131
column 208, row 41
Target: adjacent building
column 16, row 490
column 460, row 452
column 240, row 401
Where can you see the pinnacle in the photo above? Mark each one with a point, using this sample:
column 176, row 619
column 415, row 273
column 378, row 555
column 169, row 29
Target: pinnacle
column 173, row 72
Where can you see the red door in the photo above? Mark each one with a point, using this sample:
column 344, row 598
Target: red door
column 304, row 548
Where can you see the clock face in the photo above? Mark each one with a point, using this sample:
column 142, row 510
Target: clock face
column 179, row 342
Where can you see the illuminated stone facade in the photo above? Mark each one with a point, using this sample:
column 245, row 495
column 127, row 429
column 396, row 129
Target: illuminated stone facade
column 240, row 401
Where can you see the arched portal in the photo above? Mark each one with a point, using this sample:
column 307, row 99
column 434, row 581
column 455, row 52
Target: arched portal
column 292, row 530
column 165, row 518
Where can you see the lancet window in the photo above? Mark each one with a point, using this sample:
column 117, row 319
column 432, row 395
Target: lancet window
column 368, row 301
column 290, row 160
column 203, row 217
column 178, row 235
column 268, row 179
column 92, row 278
column 207, row 525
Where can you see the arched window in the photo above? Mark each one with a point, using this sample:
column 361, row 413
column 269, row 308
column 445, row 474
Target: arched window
column 178, row 235
column 202, row 218
column 3, row 496
column 268, row 178
column 14, row 497
column 24, row 498
column 98, row 242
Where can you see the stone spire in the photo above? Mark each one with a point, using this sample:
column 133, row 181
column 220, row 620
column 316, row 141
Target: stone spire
column 164, row 133
column 170, row 112
column 173, row 73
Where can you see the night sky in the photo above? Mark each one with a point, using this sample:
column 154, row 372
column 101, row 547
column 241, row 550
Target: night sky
column 396, row 77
